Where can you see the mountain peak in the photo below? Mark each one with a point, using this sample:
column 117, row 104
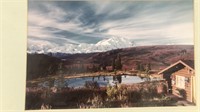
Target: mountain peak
column 115, row 43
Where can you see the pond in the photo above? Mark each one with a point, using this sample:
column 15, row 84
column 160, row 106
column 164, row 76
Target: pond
column 102, row 81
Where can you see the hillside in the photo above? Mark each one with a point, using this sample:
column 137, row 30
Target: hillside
column 40, row 65
column 159, row 56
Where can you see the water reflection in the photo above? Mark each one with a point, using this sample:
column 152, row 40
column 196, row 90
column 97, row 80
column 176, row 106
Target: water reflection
column 117, row 79
column 101, row 80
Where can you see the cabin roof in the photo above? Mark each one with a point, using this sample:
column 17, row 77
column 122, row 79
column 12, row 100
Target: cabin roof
column 187, row 63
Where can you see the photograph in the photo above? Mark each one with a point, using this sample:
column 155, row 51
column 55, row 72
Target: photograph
column 110, row 54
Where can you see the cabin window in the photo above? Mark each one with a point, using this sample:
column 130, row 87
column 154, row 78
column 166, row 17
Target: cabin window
column 187, row 80
column 173, row 82
column 180, row 82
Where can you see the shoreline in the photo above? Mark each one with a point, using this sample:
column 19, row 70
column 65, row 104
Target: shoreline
column 82, row 75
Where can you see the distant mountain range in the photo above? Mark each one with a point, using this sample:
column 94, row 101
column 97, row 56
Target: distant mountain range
column 101, row 46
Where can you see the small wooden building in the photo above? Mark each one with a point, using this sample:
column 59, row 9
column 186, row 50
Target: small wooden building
column 180, row 77
column 109, row 68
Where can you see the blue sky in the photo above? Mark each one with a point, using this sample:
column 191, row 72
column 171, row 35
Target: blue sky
column 145, row 22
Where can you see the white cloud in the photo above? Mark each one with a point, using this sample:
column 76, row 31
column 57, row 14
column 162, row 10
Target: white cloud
column 40, row 19
column 40, row 32
column 153, row 26
column 171, row 24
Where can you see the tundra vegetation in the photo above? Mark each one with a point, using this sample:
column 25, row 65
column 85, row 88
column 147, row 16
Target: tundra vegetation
column 143, row 60
column 93, row 96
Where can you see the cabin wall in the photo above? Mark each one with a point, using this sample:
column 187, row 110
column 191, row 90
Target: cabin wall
column 193, row 89
column 185, row 72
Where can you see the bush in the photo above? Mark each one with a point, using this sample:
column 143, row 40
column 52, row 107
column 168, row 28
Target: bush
column 91, row 85
column 33, row 100
column 182, row 93
column 134, row 96
column 112, row 92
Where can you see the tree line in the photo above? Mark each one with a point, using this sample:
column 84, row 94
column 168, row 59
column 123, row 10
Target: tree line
column 40, row 65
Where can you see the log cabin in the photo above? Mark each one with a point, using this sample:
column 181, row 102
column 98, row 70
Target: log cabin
column 180, row 77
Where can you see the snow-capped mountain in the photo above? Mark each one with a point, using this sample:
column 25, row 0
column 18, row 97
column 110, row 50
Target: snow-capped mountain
column 101, row 46
column 114, row 43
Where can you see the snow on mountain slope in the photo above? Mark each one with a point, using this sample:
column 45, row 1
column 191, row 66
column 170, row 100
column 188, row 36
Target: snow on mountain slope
column 114, row 43
column 101, row 46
